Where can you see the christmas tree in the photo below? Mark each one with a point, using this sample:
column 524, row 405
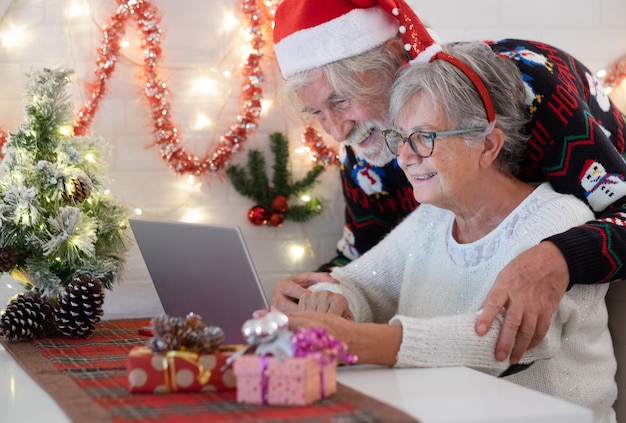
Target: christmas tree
column 62, row 235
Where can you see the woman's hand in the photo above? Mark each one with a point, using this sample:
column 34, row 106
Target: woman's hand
column 372, row 343
column 325, row 302
column 287, row 292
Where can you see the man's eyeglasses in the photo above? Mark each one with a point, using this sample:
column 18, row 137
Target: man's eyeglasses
column 421, row 142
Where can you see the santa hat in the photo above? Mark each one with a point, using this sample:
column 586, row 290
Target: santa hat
column 312, row 33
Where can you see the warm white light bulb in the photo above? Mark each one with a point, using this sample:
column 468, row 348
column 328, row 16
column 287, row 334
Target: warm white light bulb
column 266, row 104
column 66, row 131
column 204, row 85
column 138, row 212
column 191, row 216
column 202, row 122
column 230, row 22
column 601, row 73
column 11, row 36
column 296, row 252
column 78, row 8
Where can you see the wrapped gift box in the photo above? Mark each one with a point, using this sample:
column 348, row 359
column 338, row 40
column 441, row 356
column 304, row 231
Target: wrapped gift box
column 179, row 371
column 290, row 381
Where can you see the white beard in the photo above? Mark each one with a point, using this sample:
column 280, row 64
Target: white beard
column 377, row 153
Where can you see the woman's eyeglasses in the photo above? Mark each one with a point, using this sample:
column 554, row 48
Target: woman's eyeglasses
column 421, row 142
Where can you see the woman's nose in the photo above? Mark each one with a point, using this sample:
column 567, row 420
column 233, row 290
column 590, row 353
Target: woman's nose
column 406, row 155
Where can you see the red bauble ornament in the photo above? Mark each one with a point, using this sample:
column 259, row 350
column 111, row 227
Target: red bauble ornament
column 280, row 204
column 258, row 215
column 276, row 220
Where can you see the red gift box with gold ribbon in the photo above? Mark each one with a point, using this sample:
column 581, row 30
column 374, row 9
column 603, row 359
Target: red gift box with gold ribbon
column 179, row 371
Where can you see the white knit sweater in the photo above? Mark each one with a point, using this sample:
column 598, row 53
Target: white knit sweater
column 420, row 278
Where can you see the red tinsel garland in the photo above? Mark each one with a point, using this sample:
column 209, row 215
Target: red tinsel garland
column 259, row 17
column 165, row 132
column 318, row 150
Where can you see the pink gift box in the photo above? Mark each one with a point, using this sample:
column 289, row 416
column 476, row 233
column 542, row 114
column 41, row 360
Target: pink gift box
column 179, row 371
column 291, row 381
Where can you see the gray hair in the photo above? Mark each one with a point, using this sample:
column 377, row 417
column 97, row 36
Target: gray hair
column 346, row 76
column 452, row 90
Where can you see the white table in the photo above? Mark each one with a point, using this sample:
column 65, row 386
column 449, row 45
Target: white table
column 458, row 395
column 455, row 394
column 442, row 395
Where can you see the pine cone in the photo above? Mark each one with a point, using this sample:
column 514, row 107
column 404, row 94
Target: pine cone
column 200, row 338
column 166, row 331
column 190, row 334
column 27, row 317
column 81, row 188
column 8, row 258
column 80, row 307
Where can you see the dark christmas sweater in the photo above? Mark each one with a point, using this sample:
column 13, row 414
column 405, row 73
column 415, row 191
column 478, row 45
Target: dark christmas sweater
column 576, row 143
column 376, row 200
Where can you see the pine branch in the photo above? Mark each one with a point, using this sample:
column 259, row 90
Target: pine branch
column 303, row 212
column 280, row 148
column 254, row 184
column 259, row 181
column 308, row 181
column 239, row 178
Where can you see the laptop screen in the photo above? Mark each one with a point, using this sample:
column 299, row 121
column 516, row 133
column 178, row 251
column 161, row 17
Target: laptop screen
column 201, row 269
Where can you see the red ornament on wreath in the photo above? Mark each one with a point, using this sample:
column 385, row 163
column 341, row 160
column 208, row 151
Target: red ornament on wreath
column 280, row 204
column 258, row 215
column 276, row 220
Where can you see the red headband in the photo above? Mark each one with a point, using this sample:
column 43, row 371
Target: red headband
column 476, row 80
column 421, row 47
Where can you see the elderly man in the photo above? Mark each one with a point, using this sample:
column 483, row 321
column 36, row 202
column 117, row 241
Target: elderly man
column 339, row 59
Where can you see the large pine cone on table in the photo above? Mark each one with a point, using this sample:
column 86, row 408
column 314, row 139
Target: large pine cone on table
column 80, row 307
column 27, row 317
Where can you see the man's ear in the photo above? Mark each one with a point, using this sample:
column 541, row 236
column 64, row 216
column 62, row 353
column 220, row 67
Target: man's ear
column 492, row 146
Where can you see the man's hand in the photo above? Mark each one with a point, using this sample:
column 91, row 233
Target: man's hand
column 287, row 292
column 530, row 287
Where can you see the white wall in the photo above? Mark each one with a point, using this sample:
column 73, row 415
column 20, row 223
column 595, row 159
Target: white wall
column 194, row 45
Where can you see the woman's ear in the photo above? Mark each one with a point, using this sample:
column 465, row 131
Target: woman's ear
column 491, row 147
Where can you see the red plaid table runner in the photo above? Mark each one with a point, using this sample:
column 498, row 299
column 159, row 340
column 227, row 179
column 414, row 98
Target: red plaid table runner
column 88, row 380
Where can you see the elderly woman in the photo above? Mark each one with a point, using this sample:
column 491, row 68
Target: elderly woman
column 412, row 298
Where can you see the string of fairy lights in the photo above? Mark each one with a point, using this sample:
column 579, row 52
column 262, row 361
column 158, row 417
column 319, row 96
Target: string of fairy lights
column 250, row 26
column 141, row 19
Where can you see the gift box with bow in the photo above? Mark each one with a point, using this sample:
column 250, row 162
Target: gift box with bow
column 179, row 371
column 289, row 368
column 184, row 355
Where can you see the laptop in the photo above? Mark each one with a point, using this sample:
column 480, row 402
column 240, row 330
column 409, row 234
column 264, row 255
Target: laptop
column 201, row 269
